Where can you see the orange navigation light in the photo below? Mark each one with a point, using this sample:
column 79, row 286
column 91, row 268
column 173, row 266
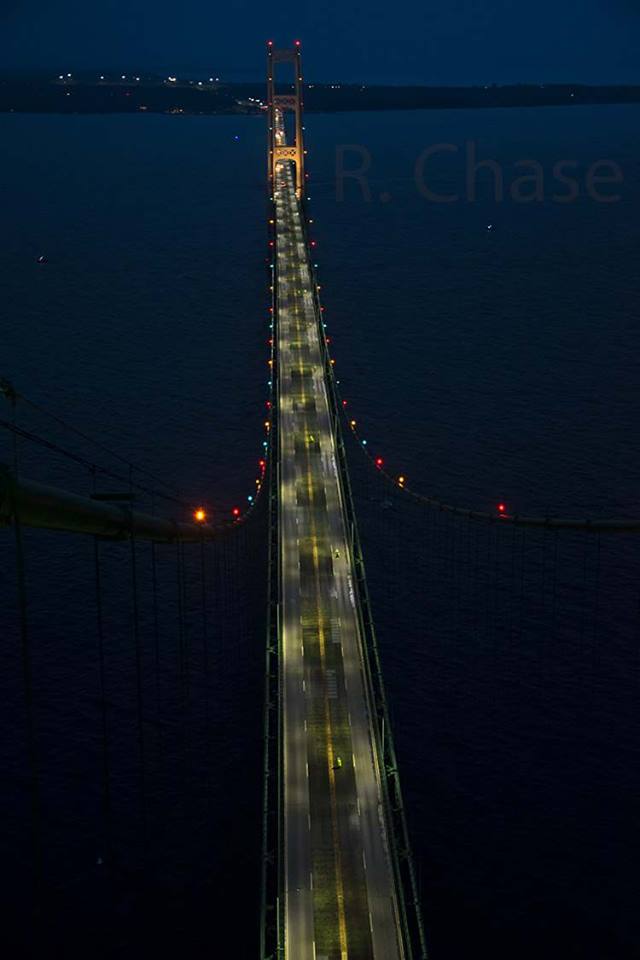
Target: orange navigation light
column 200, row 515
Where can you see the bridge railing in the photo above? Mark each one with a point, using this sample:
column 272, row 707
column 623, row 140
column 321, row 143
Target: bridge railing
column 409, row 904
column 272, row 903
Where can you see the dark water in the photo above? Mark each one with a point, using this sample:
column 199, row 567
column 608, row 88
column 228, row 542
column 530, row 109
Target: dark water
column 485, row 365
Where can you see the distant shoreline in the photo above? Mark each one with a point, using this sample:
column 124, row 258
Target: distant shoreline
column 151, row 94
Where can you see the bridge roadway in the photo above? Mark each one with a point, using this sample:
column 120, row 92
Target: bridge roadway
column 340, row 901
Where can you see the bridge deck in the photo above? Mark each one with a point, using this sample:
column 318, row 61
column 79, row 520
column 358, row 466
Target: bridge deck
column 338, row 882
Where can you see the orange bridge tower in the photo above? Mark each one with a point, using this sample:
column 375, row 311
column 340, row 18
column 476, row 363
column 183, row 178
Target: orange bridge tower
column 278, row 102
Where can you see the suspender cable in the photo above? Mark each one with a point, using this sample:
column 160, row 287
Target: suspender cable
column 139, row 696
column 104, row 720
column 205, row 670
column 32, row 750
column 27, row 670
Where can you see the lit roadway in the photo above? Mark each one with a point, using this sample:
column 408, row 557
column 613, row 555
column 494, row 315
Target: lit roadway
column 340, row 901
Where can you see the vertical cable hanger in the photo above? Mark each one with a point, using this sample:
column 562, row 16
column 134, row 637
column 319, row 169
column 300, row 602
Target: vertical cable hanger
column 104, row 719
column 139, row 684
column 27, row 670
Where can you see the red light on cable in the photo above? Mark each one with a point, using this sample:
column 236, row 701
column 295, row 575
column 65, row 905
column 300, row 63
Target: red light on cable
column 236, row 511
column 379, row 462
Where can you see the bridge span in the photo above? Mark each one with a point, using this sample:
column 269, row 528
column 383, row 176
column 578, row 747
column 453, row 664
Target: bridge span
column 337, row 889
column 338, row 880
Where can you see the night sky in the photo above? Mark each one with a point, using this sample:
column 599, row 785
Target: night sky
column 455, row 41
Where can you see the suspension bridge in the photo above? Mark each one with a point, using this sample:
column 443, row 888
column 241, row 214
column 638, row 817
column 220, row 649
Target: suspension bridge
column 338, row 878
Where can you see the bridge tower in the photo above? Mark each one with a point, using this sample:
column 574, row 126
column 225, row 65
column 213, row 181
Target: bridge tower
column 285, row 151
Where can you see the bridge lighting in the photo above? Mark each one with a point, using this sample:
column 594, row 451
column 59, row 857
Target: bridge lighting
column 344, row 403
column 332, row 361
column 379, row 462
column 262, row 464
column 501, row 508
column 250, row 498
column 401, row 481
column 364, row 443
column 200, row 515
column 236, row 511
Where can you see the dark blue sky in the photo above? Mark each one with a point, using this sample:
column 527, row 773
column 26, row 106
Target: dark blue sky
column 425, row 41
